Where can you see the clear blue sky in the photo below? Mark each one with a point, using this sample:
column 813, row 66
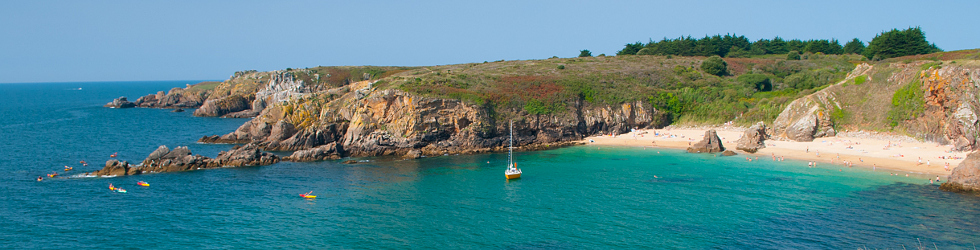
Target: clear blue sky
column 57, row 41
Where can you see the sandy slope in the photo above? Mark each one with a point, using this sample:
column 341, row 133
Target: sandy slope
column 900, row 158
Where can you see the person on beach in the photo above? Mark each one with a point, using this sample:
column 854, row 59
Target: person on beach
column 937, row 178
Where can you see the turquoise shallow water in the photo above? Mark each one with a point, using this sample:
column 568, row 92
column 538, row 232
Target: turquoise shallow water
column 570, row 198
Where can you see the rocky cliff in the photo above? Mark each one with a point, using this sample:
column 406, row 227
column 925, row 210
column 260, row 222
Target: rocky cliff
column 363, row 120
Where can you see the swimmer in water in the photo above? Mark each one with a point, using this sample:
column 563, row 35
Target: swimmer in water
column 39, row 178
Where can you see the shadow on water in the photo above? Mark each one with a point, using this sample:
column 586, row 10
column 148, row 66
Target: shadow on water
column 912, row 212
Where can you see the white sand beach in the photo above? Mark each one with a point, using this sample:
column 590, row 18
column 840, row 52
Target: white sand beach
column 900, row 157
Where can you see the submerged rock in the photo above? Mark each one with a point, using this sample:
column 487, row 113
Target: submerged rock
column 965, row 177
column 753, row 139
column 120, row 102
column 710, row 144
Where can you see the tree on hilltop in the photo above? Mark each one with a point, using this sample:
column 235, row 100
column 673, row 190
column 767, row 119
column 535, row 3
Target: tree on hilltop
column 896, row 43
column 585, row 53
column 854, row 47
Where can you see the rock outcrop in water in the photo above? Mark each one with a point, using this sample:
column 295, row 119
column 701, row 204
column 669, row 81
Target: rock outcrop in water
column 190, row 97
column 966, row 176
column 120, row 102
column 114, row 168
column 710, row 144
column 180, row 159
column 753, row 138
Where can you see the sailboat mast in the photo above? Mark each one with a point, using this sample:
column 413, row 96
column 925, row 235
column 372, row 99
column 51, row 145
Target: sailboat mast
column 510, row 152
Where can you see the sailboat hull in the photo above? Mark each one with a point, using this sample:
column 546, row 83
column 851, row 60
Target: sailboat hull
column 512, row 176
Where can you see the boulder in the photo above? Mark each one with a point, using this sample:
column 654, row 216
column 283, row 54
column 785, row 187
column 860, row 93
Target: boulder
column 320, row 153
column 413, row 154
column 120, row 102
column 753, row 139
column 177, row 110
column 808, row 117
column 728, row 153
column 710, row 144
column 965, row 177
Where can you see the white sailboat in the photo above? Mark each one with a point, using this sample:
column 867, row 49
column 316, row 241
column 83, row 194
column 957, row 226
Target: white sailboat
column 512, row 171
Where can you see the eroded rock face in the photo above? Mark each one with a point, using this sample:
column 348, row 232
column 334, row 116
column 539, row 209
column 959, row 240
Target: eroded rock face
column 753, row 138
column 710, row 144
column 807, row 118
column 247, row 155
column 368, row 122
column 120, row 102
column 319, row 153
column 225, row 105
column 966, row 176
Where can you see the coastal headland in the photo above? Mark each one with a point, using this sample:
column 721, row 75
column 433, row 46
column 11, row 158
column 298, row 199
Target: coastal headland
column 927, row 105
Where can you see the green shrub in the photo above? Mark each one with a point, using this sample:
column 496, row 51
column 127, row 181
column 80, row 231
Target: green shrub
column 715, row 65
column 860, row 79
column 758, row 82
column 907, row 103
column 793, row 55
column 585, row 53
column 561, row 66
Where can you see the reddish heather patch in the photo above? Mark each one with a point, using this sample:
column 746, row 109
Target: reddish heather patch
column 738, row 66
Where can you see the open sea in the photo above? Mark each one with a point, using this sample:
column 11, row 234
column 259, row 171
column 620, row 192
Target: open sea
column 583, row 197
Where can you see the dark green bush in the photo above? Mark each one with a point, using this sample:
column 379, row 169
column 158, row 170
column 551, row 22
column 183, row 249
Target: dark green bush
column 561, row 66
column 758, row 82
column 715, row 65
column 793, row 55
column 585, row 53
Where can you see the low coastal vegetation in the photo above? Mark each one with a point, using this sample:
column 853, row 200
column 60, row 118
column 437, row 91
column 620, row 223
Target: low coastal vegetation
column 688, row 90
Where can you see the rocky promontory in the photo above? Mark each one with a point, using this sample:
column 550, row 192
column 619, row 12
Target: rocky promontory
column 120, row 102
column 965, row 177
column 163, row 159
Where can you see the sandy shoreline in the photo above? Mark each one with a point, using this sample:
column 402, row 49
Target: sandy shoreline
column 900, row 157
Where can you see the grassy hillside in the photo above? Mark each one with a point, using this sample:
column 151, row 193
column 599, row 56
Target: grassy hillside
column 891, row 96
column 674, row 85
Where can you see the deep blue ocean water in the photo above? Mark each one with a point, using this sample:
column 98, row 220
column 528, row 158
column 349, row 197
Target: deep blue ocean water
column 582, row 197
